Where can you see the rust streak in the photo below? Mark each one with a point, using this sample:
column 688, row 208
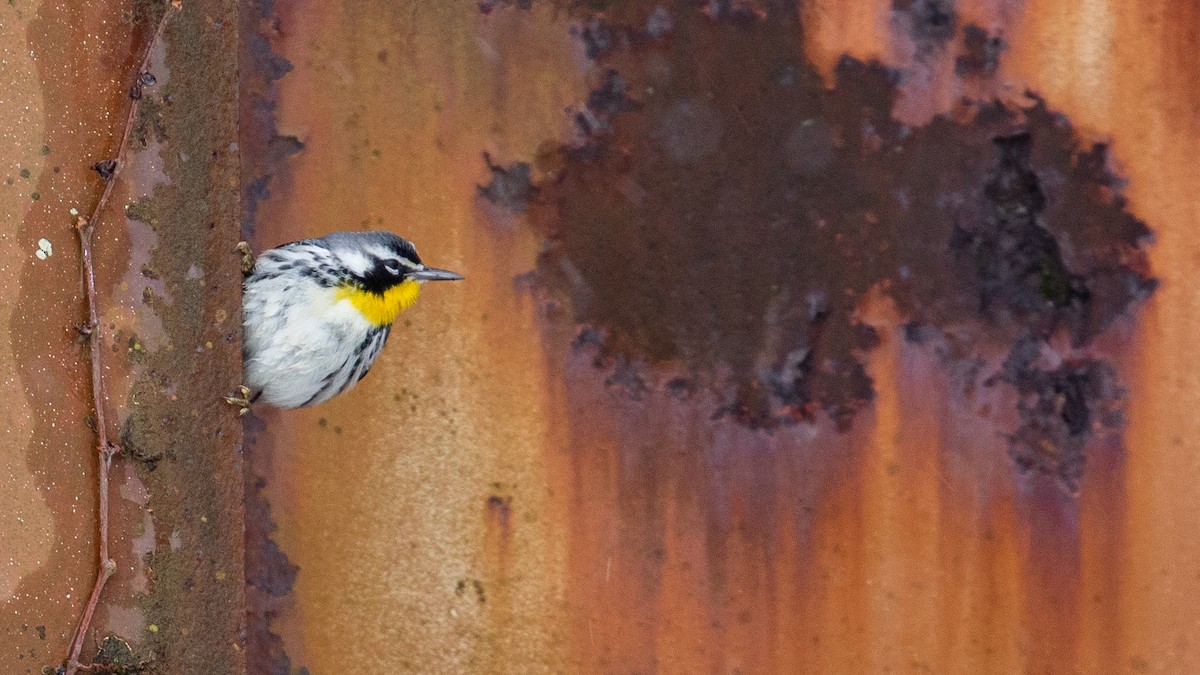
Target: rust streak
column 619, row 449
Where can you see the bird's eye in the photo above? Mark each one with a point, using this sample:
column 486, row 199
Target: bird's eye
column 392, row 266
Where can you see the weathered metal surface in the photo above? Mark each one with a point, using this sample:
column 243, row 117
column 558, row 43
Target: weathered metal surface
column 363, row 507
column 768, row 360
column 168, row 286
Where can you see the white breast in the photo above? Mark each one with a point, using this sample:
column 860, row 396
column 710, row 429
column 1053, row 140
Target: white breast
column 302, row 345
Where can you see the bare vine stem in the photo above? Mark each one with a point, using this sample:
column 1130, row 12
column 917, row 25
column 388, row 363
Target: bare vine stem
column 85, row 227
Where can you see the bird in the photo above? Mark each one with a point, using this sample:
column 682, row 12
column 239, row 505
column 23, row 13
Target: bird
column 317, row 312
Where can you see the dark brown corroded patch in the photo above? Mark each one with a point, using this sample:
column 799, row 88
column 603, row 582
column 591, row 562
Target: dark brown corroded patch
column 510, row 187
column 981, row 52
column 264, row 149
column 489, row 6
column 931, row 23
column 270, row 575
column 727, row 211
column 268, row 569
column 1061, row 403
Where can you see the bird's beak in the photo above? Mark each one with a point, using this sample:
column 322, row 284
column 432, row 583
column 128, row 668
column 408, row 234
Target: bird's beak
column 434, row 274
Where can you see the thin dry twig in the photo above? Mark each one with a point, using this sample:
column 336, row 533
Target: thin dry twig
column 85, row 227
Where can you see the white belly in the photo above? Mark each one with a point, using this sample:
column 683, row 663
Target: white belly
column 302, row 345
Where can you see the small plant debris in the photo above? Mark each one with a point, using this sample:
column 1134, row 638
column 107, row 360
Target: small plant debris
column 116, row 657
column 105, row 168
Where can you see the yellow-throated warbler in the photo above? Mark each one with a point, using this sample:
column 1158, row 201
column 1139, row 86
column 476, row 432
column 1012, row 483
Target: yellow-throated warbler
column 317, row 312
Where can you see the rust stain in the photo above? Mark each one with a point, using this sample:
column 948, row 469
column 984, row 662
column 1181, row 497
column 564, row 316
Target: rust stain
column 1141, row 97
column 630, row 460
column 270, row 574
column 499, row 516
column 656, row 224
column 394, row 104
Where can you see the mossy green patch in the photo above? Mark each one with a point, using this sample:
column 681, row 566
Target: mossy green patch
column 143, row 211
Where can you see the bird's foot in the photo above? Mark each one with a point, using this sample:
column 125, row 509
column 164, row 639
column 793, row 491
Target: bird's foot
column 247, row 257
column 241, row 400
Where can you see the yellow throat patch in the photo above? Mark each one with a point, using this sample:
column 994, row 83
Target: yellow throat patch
column 381, row 310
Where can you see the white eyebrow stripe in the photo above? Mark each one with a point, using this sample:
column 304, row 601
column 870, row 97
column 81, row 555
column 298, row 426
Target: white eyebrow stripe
column 387, row 254
column 355, row 261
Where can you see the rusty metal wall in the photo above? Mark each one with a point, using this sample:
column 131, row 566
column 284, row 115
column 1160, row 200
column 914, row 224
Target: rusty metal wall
column 168, row 286
column 742, row 378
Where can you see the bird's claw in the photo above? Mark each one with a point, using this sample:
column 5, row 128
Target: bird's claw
column 241, row 400
column 247, row 257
